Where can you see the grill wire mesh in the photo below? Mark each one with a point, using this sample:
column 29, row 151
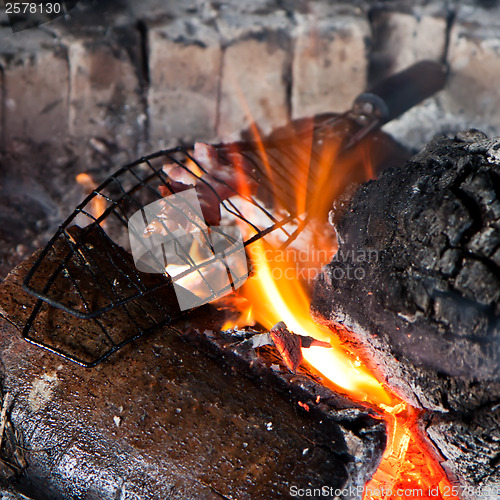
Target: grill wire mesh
column 299, row 170
column 94, row 249
column 86, row 270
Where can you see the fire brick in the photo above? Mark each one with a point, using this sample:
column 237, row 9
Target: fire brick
column 35, row 87
column 402, row 39
column 105, row 100
column 184, row 66
column 474, row 68
column 253, row 87
column 329, row 64
column 255, row 73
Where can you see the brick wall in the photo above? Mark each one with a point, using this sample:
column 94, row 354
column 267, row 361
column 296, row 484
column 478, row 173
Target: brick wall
column 114, row 81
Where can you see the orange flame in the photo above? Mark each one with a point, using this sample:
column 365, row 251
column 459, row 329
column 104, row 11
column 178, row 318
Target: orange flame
column 410, row 467
column 98, row 203
column 408, row 464
column 277, row 295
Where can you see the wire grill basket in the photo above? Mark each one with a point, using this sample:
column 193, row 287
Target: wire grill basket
column 86, row 270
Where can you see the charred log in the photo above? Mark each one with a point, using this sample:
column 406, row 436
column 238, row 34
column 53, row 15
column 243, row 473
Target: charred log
column 418, row 268
column 470, row 446
column 416, row 284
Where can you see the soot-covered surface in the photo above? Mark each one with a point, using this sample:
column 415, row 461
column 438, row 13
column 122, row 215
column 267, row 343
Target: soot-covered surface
column 418, row 268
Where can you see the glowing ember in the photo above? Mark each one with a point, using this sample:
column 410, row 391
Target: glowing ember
column 409, row 468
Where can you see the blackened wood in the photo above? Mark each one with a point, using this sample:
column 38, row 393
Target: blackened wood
column 177, row 416
column 471, row 448
column 417, row 275
column 415, row 285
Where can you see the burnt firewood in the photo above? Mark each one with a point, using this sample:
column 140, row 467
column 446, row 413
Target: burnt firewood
column 471, row 448
column 415, row 284
column 417, row 273
column 185, row 413
column 289, row 344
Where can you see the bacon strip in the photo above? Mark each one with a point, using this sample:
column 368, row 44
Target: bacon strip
column 227, row 173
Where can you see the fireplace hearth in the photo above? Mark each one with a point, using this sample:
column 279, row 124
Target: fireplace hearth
column 218, row 402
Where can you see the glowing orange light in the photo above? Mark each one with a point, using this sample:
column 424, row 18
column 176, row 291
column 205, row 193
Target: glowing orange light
column 277, row 295
column 408, row 464
column 245, row 318
column 98, row 203
column 409, row 467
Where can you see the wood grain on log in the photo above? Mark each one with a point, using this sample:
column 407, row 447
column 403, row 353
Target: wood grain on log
column 176, row 415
